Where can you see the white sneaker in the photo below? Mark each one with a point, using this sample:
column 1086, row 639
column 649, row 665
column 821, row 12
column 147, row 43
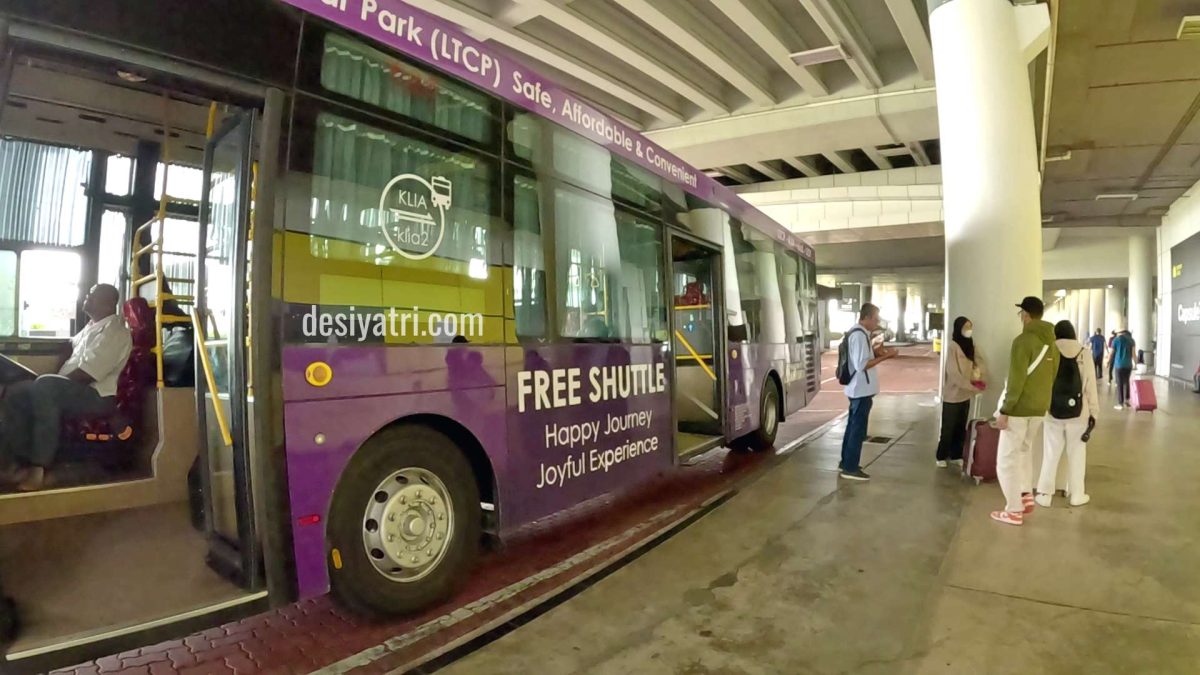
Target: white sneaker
column 1081, row 501
column 958, row 462
column 1118, row 407
column 942, row 464
column 1043, row 501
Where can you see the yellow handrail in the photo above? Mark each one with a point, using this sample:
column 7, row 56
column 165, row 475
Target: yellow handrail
column 209, row 378
column 696, row 356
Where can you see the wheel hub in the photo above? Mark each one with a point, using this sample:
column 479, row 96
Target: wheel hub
column 408, row 524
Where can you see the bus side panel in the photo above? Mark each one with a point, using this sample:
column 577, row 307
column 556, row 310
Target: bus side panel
column 743, row 373
column 603, row 424
column 747, row 373
column 371, row 386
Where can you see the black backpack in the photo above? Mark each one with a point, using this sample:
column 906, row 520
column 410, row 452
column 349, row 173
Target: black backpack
column 1066, row 399
column 844, row 372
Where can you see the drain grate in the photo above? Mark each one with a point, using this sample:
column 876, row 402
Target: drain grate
column 883, row 440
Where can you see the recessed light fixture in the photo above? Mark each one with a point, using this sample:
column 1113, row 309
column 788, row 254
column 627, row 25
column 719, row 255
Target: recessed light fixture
column 1189, row 28
column 812, row 57
column 1060, row 293
column 1117, row 195
column 1110, row 285
column 1060, row 156
column 130, row 77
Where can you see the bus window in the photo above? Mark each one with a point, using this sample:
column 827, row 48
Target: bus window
column 49, row 291
column 110, row 267
column 8, row 293
column 529, row 260
column 118, row 176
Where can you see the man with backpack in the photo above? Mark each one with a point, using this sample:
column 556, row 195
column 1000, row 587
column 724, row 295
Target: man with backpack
column 856, row 370
column 1122, row 360
column 1031, row 369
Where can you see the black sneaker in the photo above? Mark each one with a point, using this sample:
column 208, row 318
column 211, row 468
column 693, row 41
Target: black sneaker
column 857, row 474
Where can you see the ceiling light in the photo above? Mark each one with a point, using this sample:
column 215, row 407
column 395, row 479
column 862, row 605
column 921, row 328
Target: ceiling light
column 1060, row 156
column 130, row 77
column 1117, row 195
column 812, row 57
column 1060, row 293
column 1049, row 218
column 1189, row 28
column 1110, row 285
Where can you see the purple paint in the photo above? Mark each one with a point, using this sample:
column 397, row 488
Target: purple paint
column 445, row 46
column 375, row 385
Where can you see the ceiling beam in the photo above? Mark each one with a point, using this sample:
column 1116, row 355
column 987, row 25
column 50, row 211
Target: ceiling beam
column 609, row 41
column 839, row 25
column 767, row 170
column 803, row 166
column 760, row 21
column 680, row 23
column 878, row 157
column 485, row 28
column 841, row 159
column 904, row 13
column 512, row 13
column 736, row 174
column 918, row 153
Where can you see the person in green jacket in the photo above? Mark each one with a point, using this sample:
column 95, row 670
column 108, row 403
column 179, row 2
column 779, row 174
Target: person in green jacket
column 1032, row 367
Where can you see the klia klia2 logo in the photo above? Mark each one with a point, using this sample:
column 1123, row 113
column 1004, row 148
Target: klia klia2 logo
column 414, row 214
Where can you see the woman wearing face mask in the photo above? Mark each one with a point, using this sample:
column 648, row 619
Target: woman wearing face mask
column 963, row 378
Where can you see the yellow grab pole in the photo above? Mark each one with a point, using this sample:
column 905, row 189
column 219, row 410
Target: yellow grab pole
column 222, row 423
column 696, row 356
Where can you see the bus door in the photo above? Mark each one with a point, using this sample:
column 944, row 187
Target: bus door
column 698, row 344
column 221, row 382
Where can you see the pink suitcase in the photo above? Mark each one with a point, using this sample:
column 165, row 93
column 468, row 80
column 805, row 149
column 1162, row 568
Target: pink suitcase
column 1141, row 395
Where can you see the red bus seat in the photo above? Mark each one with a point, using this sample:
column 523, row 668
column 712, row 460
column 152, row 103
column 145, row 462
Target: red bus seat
column 135, row 379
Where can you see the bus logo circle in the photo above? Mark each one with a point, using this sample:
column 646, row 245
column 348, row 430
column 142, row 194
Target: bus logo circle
column 414, row 214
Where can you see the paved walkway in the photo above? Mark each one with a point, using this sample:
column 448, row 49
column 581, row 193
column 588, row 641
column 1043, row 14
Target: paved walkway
column 803, row 573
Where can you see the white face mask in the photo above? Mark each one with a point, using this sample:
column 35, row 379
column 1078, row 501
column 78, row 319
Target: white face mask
column 968, row 333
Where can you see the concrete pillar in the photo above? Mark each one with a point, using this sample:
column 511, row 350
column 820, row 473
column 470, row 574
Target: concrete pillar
column 902, row 311
column 1141, row 291
column 1072, row 306
column 1114, row 310
column 864, row 294
column 1096, row 311
column 1082, row 303
column 991, row 187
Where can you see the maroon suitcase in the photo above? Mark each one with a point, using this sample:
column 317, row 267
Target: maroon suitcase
column 982, row 448
column 1141, row 395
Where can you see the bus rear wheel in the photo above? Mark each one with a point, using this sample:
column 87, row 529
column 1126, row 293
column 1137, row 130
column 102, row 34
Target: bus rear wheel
column 763, row 438
column 404, row 526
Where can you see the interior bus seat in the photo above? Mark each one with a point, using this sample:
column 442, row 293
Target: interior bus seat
column 110, row 437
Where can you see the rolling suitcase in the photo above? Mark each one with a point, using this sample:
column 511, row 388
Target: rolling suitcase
column 1141, row 395
column 983, row 444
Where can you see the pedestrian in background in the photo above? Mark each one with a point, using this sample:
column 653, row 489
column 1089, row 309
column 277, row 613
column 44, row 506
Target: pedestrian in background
column 863, row 385
column 963, row 378
column 1122, row 360
column 1096, row 342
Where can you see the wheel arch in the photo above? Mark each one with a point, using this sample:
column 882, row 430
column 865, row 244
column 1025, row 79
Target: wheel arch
column 773, row 375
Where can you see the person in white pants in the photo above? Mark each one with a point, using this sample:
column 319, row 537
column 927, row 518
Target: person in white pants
column 1066, row 433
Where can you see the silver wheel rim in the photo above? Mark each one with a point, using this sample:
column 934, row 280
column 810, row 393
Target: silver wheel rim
column 408, row 524
column 770, row 413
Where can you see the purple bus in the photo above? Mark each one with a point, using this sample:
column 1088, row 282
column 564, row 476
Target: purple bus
column 390, row 292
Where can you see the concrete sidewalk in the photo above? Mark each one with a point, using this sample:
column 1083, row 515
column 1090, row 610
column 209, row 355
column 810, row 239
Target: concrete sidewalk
column 803, row 573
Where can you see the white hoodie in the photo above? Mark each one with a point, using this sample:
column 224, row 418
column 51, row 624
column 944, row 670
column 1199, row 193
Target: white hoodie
column 1072, row 349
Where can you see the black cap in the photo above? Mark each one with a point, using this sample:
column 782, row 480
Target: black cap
column 1033, row 305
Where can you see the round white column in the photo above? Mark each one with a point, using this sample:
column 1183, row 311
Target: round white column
column 1072, row 313
column 1114, row 310
column 1082, row 305
column 991, row 191
column 1141, row 291
column 1095, row 313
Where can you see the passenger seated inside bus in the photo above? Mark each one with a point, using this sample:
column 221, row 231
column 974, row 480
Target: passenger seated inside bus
column 86, row 385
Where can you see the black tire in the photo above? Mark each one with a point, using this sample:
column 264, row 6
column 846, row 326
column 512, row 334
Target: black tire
column 356, row 583
column 763, row 438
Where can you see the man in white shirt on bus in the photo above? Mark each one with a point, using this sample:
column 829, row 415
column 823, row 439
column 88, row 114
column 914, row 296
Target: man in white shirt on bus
column 85, row 385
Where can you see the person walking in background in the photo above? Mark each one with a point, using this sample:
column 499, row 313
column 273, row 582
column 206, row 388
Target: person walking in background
column 1072, row 415
column 862, row 385
column 1111, row 338
column 1026, row 398
column 963, row 379
column 1096, row 342
column 1122, row 361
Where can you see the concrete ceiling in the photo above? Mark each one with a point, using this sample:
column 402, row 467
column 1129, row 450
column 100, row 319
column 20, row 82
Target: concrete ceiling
column 1124, row 104
column 714, row 80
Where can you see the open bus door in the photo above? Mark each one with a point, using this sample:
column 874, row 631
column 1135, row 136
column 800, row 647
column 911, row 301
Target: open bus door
column 221, row 382
column 697, row 327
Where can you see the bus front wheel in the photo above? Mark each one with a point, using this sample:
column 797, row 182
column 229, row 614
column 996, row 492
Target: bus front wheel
column 763, row 438
column 404, row 526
